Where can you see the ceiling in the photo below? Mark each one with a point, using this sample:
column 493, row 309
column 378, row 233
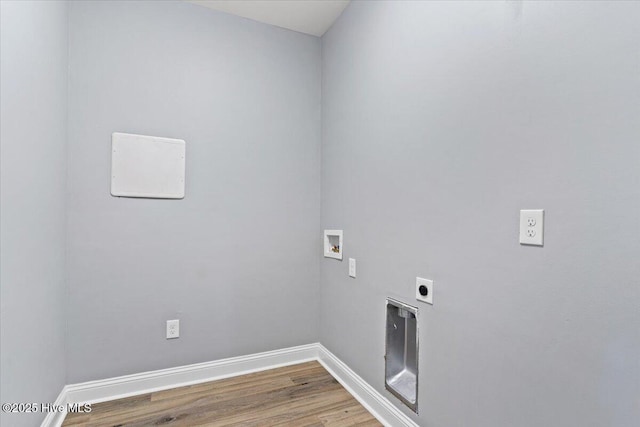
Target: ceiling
column 313, row 17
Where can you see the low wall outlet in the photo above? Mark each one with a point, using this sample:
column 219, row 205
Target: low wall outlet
column 173, row 329
column 424, row 290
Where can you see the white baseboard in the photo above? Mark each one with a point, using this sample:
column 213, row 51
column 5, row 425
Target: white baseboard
column 379, row 406
column 148, row 382
column 55, row 419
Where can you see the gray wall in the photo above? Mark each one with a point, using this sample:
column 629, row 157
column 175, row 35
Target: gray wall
column 441, row 120
column 33, row 131
column 237, row 261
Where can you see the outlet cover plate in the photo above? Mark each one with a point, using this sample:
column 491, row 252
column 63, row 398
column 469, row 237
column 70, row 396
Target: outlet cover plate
column 532, row 227
column 173, row 329
column 352, row 267
column 429, row 284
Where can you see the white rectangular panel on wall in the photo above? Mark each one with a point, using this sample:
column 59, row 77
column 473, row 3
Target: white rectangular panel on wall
column 147, row 166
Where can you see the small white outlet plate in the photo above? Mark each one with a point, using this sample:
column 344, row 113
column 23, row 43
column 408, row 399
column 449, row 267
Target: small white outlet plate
column 352, row 267
column 428, row 298
column 532, row 227
column 173, row 329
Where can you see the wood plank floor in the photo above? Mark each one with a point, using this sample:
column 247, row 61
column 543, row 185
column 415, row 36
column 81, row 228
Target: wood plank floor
column 297, row 395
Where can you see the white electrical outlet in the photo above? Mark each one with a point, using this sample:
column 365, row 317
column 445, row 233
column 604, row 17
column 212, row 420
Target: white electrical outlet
column 532, row 227
column 424, row 290
column 352, row 267
column 173, row 329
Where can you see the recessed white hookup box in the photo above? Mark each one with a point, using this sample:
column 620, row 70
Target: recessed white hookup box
column 333, row 244
column 147, row 166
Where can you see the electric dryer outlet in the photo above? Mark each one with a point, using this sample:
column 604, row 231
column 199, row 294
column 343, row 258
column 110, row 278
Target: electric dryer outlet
column 424, row 290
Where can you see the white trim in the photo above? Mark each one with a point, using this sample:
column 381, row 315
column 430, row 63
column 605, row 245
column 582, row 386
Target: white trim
column 148, row 382
column 379, row 406
column 54, row 418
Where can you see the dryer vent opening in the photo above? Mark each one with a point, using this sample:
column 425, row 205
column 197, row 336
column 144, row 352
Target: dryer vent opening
column 401, row 354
